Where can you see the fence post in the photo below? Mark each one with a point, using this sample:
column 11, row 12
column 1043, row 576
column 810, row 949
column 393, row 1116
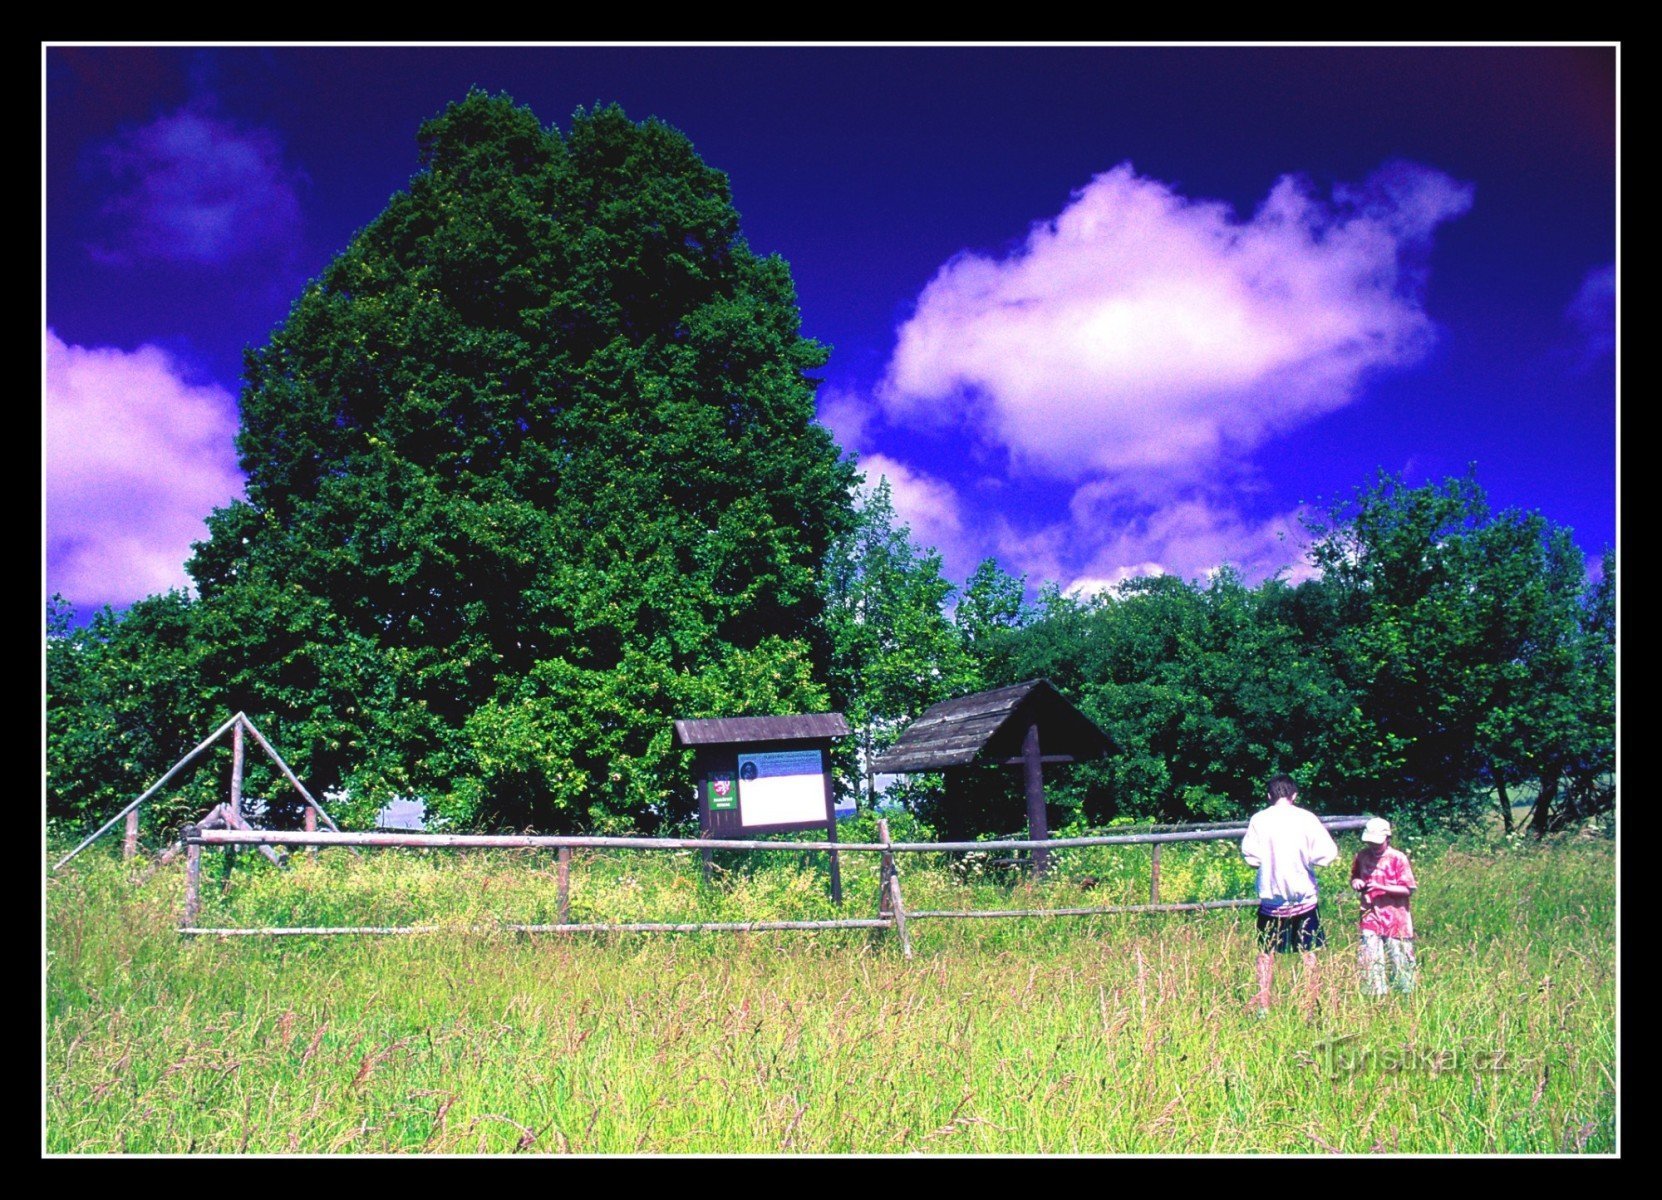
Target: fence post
column 562, row 877
column 193, row 876
column 311, row 827
column 1154, row 877
column 129, row 843
column 888, row 891
column 236, row 797
column 885, row 867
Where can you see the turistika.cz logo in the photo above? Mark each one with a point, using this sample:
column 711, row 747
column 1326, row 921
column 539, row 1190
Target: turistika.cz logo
column 1346, row 1054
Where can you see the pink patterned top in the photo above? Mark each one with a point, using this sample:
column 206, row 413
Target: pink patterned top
column 1383, row 912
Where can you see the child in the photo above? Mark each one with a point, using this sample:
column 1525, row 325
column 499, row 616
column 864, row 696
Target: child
column 1287, row 843
column 1384, row 881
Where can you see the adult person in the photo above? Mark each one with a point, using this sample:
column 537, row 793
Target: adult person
column 1287, row 843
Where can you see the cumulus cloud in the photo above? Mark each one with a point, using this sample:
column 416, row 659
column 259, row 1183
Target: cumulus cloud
column 1190, row 537
column 192, row 188
column 1141, row 331
column 136, row 457
column 847, row 415
column 929, row 505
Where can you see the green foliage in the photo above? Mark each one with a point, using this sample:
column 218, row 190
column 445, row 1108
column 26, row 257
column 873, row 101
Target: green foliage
column 1478, row 651
column 1203, row 692
column 894, row 651
column 532, row 470
column 124, row 702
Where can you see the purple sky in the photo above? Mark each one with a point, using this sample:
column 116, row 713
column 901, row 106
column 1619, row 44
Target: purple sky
column 1095, row 311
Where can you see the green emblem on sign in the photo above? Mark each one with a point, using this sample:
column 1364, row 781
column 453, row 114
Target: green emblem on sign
column 723, row 794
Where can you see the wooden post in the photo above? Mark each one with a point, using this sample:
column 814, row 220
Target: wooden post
column 885, row 867
column 562, row 876
column 836, row 866
column 1033, row 780
column 193, row 877
column 1154, row 877
column 311, row 827
column 900, row 915
column 888, row 891
column 235, row 808
column 129, row 844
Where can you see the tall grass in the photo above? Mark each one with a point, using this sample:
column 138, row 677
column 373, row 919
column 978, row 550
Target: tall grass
column 1060, row 1035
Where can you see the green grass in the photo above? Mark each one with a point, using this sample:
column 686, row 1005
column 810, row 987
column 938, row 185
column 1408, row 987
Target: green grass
column 1062, row 1035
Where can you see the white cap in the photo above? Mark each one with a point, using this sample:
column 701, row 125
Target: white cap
column 1376, row 830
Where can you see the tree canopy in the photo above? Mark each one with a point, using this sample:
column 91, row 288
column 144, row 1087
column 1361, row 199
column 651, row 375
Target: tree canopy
column 532, row 470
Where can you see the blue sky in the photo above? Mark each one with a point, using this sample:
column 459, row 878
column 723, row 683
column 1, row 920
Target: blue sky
column 1095, row 311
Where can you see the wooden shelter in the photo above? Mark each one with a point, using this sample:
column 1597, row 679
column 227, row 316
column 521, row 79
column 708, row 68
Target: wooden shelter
column 765, row 775
column 1024, row 725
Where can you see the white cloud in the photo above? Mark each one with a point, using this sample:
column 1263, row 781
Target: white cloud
column 847, row 415
column 929, row 505
column 136, row 457
column 1109, row 538
column 1140, row 331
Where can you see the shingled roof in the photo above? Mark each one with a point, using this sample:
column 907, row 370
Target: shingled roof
column 723, row 731
column 992, row 724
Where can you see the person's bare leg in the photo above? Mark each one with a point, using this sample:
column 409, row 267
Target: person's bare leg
column 1266, row 972
column 1312, row 983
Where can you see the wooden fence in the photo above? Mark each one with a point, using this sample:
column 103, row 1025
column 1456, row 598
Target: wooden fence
column 891, row 906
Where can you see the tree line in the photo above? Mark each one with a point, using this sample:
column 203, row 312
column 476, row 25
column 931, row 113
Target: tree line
column 533, row 470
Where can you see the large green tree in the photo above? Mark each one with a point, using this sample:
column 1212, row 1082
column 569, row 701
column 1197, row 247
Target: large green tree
column 532, row 470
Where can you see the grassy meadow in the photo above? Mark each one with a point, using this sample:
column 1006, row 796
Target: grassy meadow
column 1046, row 1036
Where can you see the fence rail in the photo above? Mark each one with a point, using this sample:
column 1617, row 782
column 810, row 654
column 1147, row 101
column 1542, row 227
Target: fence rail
column 891, row 914
column 523, row 841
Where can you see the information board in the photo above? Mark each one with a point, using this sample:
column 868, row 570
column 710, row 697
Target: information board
column 781, row 787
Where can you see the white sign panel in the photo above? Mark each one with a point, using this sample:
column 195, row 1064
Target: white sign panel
column 782, row 788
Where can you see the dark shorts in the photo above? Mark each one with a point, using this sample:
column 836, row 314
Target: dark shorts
column 1283, row 935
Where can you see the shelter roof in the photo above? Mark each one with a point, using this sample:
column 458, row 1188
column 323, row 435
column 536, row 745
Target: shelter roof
column 722, row 731
column 992, row 725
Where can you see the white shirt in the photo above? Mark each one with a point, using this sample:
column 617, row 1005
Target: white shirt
column 1287, row 843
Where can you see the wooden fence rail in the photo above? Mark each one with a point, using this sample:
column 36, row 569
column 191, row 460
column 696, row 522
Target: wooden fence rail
column 527, row 841
column 221, row 829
